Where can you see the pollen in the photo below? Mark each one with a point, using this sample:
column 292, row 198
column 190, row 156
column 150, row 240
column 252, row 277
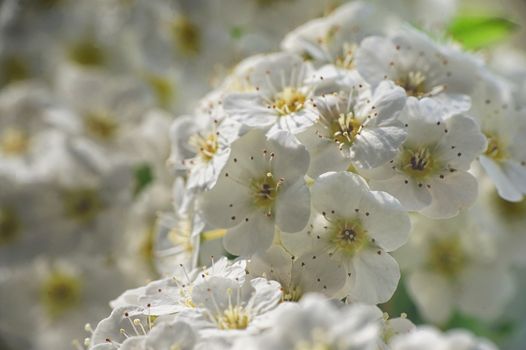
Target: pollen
column 348, row 237
column 289, row 101
column 264, row 192
column 162, row 88
column 181, row 235
column 413, row 83
column 100, row 125
column 86, row 53
column 82, row 205
column 186, row 35
column 234, row 317
column 495, row 150
column 13, row 68
column 14, row 142
column 345, row 129
column 9, row 225
column 346, row 59
column 206, row 146
column 447, row 257
column 59, row 293
column 418, row 163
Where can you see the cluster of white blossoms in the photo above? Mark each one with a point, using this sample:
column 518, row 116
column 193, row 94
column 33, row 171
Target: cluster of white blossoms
column 88, row 90
column 363, row 151
column 364, row 161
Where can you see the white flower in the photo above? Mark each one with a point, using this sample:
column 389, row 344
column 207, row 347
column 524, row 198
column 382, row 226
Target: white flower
column 182, row 238
column 453, row 265
column 358, row 227
column 173, row 294
column 298, row 275
column 420, row 66
column 357, row 127
column 317, row 323
column 31, row 149
column 263, row 185
column 504, row 160
column 104, row 111
column 429, row 173
column 432, row 15
column 281, row 101
column 201, row 145
column 505, row 220
column 58, row 297
column 430, row 338
column 334, row 39
column 225, row 308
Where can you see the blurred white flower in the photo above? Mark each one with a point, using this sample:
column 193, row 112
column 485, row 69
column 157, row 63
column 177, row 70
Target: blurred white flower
column 424, row 69
column 432, row 339
column 454, row 265
column 316, row 323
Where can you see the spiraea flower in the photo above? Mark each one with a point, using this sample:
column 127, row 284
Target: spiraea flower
column 358, row 228
column 424, row 69
column 225, row 308
column 335, row 39
column 431, row 338
column 201, row 145
column 281, row 101
column 316, row 323
column 299, row 275
column 358, row 127
column 263, row 182
column 504, row 159
column 430, row 172
column 454, row 265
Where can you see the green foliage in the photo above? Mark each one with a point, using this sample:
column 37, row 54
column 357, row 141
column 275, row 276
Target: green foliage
column 143, row 177
column 479, row 31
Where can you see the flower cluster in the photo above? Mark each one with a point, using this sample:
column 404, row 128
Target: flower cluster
column 362, row 144
column 364, row 161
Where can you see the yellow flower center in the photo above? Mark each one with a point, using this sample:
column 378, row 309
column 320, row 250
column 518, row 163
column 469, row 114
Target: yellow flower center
column 346, row 59
column 418, row 163
column 13, row 69
column 292, row 294
column 447, row 257
column 348, row 237
column 206, row 146
column 318, row 341
column 344, row 129
column 288, row 101
column 101, row 125
column 59, row 293
column 14, row 142
column 86, row 53
column 186, row 36
column 235, row 317
column 264, row 192
column 495, row 150
column 82, row 205
column 181, row 235
column 9, row 225
column 162, row 88
column 413, row 83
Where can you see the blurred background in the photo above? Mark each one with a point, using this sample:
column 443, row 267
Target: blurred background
column 88, row 91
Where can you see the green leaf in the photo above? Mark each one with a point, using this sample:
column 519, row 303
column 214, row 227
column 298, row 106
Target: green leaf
column 236, row 32
column 480, row 31
column 143, row 177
